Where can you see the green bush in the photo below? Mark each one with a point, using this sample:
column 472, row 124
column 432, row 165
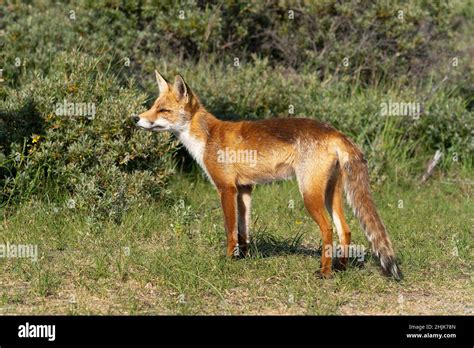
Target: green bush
column 381, row 40
column 100, row 162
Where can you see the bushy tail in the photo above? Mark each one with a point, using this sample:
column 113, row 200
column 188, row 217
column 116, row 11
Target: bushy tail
column 357, row 188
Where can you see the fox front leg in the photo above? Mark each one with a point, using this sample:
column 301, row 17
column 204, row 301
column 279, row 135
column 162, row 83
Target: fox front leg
column 229, row 207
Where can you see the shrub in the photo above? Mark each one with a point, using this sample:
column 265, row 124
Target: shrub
column 381, row 40
column 99, row 161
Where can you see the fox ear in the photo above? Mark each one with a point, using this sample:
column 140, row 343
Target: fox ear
column 181, row 88
column 162, row 84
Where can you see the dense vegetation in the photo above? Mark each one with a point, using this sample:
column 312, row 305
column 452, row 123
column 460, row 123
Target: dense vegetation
column 334, row 61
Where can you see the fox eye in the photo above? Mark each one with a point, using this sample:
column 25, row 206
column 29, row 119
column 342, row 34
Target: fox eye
column 163, row 110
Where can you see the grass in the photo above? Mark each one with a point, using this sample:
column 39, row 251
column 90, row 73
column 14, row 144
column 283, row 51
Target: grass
column 168, row 257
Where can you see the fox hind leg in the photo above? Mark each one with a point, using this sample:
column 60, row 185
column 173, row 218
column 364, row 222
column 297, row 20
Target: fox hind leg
column 314, row 203
column 335, row 208
column 312, row 183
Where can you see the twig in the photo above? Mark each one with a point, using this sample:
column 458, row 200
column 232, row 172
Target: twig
column 431, row 165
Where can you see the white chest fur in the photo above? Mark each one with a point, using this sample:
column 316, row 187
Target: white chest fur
column 195, row 147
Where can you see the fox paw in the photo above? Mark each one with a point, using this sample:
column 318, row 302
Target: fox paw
column 324, row 275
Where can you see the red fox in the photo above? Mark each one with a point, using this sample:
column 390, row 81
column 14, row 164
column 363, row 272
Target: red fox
column 237, row 155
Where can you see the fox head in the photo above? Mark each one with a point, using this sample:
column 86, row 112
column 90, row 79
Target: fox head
column 172, row 110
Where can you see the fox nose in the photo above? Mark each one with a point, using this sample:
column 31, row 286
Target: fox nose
column 135, row 118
